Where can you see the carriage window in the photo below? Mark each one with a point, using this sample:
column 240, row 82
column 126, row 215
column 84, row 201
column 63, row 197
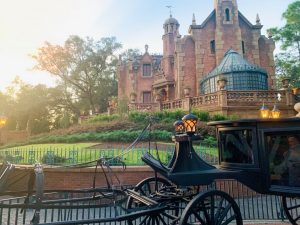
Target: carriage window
column 237, row 146
column 284, row 158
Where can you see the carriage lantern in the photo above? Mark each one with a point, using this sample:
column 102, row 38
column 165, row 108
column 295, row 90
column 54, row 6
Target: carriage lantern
column 179, row 126
column 190, row 122
column 275, row 112
column 264, row 111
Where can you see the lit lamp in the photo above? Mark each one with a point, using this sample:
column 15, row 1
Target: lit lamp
column 179, row 126
column 275, row 112
column 264, row 111
column 3, row 120
column 190, row 122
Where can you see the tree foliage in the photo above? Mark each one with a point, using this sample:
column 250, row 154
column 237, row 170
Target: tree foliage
column 288, row 61
column 85, row 69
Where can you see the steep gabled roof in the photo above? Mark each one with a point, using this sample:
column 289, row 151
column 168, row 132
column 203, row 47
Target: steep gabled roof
column 242, row 17
column 212, row 15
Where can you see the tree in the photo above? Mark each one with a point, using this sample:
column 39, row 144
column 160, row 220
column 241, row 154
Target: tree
column 288, row 62
column 83, row 67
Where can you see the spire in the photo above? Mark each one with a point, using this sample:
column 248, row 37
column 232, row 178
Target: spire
column 257, row 20
column 146, row 48
column 218, row 2
column 194, row 19
column 170, row 9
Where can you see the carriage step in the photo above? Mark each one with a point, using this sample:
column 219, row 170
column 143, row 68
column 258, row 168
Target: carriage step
column 143, row 199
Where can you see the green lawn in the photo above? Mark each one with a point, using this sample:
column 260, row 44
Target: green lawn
column 68, row 154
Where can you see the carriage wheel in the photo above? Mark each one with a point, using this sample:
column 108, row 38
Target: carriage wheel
column 149, row 187
column 211, row 208
column 291, row 208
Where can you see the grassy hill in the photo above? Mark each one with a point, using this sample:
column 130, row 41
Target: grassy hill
column 125, row 128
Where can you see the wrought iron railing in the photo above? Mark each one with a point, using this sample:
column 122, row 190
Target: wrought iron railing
column 74, row 155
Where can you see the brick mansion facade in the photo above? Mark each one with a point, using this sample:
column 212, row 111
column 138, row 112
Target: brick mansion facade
column 226, row 46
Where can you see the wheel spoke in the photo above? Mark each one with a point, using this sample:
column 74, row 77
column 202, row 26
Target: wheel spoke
column 224, row 213
column 149, row 188
column 297, row 218
column 199, row 218
column 219, row 209
column 145, row 220
column 205, row 213
column 162, row 220
column 212, row 209
column 228, row 220
column 293, row 207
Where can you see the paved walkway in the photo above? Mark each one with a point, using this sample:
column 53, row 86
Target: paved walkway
column 266, row 223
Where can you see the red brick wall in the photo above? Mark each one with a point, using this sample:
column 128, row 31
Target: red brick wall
column 207, row 35
column 248, row 40
column 63, row 178
column 190, row 66
column 144, row 83
column 266, row 61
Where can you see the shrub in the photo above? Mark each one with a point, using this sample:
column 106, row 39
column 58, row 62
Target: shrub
column 202, row 115
column 103, row 117
column 209, row 141
column 53, row 159
column 218, row 117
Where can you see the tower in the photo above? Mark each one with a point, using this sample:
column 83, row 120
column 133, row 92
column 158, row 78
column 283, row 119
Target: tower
column 228, row 32
column 171, row 31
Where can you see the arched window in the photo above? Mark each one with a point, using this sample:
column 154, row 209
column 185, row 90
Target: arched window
column 243, row 47
column 212, row 47
column 227, row 14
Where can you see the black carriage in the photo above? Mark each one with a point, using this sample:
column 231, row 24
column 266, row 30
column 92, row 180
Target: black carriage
column 262, row 154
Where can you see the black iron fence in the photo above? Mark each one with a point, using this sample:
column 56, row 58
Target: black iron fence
column 74, row 155
column 253, row 206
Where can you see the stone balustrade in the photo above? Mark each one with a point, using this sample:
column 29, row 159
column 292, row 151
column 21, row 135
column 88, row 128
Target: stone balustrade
column 228, row 102
column 175, row 104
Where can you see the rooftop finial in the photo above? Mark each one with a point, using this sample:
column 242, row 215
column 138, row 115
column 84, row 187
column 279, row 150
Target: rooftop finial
column 257, row 19
column 146, row 48
column 194, row 19
column 170, row 9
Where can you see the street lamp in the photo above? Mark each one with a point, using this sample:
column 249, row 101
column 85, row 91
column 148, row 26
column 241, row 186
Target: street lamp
column 190, row 122
column 3, row 120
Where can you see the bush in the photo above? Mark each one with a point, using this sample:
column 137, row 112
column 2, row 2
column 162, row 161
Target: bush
column 218, row 117
column 53, row 159
column 103, row 117
column 202, row 115
column 209, row 141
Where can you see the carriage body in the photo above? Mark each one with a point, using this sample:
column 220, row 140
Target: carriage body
column 259, row 149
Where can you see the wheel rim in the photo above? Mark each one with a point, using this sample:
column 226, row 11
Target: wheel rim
column 211, row 208
column 149, row 187
column 291, row 207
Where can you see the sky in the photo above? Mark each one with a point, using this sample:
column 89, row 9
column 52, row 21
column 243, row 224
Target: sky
column 25, row 25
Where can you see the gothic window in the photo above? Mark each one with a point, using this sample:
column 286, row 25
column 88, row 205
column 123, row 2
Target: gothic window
column 146, row 97
column 243, row 47
column 212, row 47
column 146, row 70
column 227, row 14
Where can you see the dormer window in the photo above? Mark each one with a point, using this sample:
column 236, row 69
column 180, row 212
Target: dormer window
column 146, row 70
column 227, row 15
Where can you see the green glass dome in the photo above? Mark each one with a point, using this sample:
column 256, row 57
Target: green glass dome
column 239, row 73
